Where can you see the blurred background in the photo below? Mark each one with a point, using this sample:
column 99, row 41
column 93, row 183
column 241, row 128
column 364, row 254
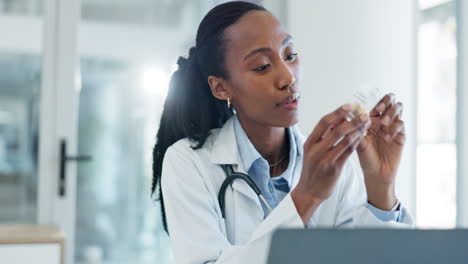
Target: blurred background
column 90, row 77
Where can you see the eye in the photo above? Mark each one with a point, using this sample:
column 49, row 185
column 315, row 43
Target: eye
column 262, row 68
column 291, row 57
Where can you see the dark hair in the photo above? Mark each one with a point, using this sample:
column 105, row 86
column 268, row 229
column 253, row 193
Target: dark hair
column 190, row 110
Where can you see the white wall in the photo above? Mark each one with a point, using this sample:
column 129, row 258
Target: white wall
column 344, row 44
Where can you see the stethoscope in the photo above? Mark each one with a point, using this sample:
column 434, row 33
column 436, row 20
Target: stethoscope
column 231, row 175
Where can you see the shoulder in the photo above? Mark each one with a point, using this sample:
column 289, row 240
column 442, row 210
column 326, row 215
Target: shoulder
column 184, row 156
column 183, row 165
column 186, row 147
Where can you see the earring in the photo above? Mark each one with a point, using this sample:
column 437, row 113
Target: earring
column 229, row 102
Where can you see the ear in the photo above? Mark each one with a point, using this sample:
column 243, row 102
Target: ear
column 219, row 88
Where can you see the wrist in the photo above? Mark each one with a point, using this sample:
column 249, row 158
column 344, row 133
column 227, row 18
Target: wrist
column 306, row 204
column 381, row 196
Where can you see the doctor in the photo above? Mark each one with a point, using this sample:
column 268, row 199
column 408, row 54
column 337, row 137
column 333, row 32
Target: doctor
column 234, row 101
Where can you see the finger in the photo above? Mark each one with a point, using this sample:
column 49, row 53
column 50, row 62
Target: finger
column 383, row 104
column 400, row 138
column 341, row 131
column 332, row 127
column 347, row 141
column 391, row 113
column 398, row 126
column 329, row 120
column 345, row 156
column 334, row 133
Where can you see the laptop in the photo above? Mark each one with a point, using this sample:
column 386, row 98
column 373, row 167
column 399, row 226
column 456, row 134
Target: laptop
column 365, row 246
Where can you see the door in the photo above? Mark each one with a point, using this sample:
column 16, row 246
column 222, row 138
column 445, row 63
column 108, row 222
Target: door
column 37, row 97
column 127, row 52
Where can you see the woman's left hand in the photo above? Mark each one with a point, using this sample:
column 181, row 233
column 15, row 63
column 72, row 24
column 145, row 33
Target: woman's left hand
column 380, row 152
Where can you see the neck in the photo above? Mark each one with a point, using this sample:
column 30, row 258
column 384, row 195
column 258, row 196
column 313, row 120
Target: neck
column 270, row 142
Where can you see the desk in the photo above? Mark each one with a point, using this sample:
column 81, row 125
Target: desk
column 31, row 244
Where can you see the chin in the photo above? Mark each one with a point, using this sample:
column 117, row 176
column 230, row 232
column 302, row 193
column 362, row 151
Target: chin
column 289, row 120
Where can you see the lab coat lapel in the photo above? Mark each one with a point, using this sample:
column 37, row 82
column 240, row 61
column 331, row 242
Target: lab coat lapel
column 300, row 149
column 225, row 151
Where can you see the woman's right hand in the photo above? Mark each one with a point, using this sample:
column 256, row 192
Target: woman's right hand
column 325, row 152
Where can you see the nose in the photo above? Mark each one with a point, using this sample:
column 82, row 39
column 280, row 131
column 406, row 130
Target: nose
column 286, row 78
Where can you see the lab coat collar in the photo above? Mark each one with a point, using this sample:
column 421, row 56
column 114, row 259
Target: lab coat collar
column 225, row 151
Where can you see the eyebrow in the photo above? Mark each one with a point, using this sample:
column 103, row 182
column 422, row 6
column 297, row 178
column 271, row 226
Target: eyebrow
column 260, row 50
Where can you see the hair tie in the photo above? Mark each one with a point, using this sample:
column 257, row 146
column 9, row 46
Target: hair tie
column 182, row 62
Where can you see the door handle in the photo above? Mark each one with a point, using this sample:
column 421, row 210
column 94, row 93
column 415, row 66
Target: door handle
column 64, row 158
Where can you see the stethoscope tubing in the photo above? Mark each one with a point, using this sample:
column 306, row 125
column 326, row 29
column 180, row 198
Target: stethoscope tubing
column 231, row 175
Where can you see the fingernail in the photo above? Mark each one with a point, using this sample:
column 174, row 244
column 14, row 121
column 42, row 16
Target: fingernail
column 381, row 107
column 363, row 117
column 387, row 138
column 386, row 120
column 346, row 107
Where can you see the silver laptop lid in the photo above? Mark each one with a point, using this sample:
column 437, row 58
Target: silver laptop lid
column 365, row 246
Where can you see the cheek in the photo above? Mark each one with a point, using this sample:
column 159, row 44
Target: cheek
column 254, row 91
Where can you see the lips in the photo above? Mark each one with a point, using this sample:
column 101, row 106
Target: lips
column 290, row 102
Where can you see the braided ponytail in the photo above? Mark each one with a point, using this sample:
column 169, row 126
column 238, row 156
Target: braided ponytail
column 190, row 110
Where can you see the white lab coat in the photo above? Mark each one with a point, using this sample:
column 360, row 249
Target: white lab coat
column 191, row 180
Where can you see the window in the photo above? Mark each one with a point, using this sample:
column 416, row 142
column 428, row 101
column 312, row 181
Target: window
column 436, row 149
column 20, row 87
